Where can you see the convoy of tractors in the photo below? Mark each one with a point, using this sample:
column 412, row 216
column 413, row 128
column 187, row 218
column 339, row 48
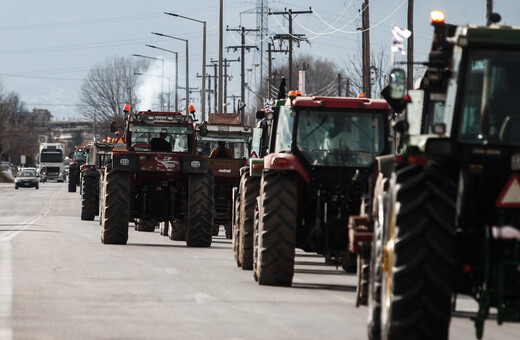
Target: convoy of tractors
column 418, row 194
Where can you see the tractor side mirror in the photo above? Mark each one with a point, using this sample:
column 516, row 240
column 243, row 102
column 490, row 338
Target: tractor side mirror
column 397, row 83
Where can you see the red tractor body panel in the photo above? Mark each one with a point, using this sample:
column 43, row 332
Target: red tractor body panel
column 285, row 161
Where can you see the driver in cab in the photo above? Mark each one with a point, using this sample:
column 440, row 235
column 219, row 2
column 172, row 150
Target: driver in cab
column 156, row 144
column 339, row 136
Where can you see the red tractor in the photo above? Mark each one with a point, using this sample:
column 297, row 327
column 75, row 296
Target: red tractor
column 172, row 185
column 311, row 179
column 224, row 128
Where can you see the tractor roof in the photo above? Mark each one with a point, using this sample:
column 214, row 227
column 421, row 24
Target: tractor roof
column 151, row 117
column 340, row 103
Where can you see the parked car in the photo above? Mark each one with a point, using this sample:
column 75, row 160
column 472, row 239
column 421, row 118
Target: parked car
column 8, row 170
column 26, row 178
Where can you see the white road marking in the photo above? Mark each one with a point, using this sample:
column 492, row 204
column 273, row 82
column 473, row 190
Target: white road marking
column 6, row 290
column 6, row 271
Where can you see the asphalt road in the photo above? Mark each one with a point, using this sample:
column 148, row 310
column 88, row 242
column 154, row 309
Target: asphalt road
column 57, row 281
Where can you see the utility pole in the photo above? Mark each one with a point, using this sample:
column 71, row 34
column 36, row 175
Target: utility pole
column 215, row 70
column 209, row 90
column 217, row 93
column 225, row 65
column 242, row 48
column 220, row 55
column 489, row 11
column 367, row 91
column 291, row 36
column 409, row 46
column 270, row 79
column 234, row 97
column 209, row 93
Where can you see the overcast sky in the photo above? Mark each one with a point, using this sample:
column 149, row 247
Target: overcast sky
column 48, row 46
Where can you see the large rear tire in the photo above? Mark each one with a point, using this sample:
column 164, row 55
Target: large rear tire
column 236, row 231
column 418, row 266
column 177, row 230
column 249, row 190
column 163, row 228
column 89, row 198
column 114, row 224
column 200, row 210
column 276, row 229
column 72, row 185
column 145, row 225
column 374, row 282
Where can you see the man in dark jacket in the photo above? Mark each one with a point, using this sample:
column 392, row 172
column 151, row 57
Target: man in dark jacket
column 157, row 144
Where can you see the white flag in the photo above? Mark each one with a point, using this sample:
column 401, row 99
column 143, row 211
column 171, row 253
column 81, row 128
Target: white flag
column 399, row 34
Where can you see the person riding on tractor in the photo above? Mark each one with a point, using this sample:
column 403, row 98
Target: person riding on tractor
column 221, row 151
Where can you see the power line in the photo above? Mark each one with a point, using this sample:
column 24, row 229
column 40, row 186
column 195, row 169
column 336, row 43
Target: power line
column 77, row 23
column 290, row 35
column 36, row 77
column 40, row 104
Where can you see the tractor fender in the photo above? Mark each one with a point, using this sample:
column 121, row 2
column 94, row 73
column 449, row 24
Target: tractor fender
column 285, row 161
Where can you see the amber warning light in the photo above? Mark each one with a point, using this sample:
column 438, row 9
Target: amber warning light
column 437, row 17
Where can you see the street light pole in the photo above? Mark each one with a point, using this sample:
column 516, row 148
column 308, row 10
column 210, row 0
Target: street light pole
column 162, row 77
column 203, row 90
column 187, row 68
column 176, row 73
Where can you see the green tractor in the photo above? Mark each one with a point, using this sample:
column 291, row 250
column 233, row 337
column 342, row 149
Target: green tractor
column 448, row 222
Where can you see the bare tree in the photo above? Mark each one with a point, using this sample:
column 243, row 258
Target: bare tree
column 320, row 74
column 379, row 70
column 18, row 133
column 108, row 87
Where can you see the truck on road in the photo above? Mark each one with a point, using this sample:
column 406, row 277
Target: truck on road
column 51, row 165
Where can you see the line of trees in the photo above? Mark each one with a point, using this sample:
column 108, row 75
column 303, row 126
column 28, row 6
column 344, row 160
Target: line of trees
column 17, row 136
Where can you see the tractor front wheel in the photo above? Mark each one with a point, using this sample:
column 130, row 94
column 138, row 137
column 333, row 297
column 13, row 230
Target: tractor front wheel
column 89, row 198
column 249, row 189
column 200, row 210
column 276, row 229
column 116, row 211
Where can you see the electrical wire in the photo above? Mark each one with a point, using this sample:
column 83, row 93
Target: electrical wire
column 36, row 77
column 341, row 15
column 340, row 29
column 79, row 46
column 78, row 23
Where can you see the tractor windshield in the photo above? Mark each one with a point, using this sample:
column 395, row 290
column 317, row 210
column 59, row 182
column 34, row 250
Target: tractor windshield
column 490, row 113
column 80, row 156
column 177, row 135
column 340, row 138
column 237, row 143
